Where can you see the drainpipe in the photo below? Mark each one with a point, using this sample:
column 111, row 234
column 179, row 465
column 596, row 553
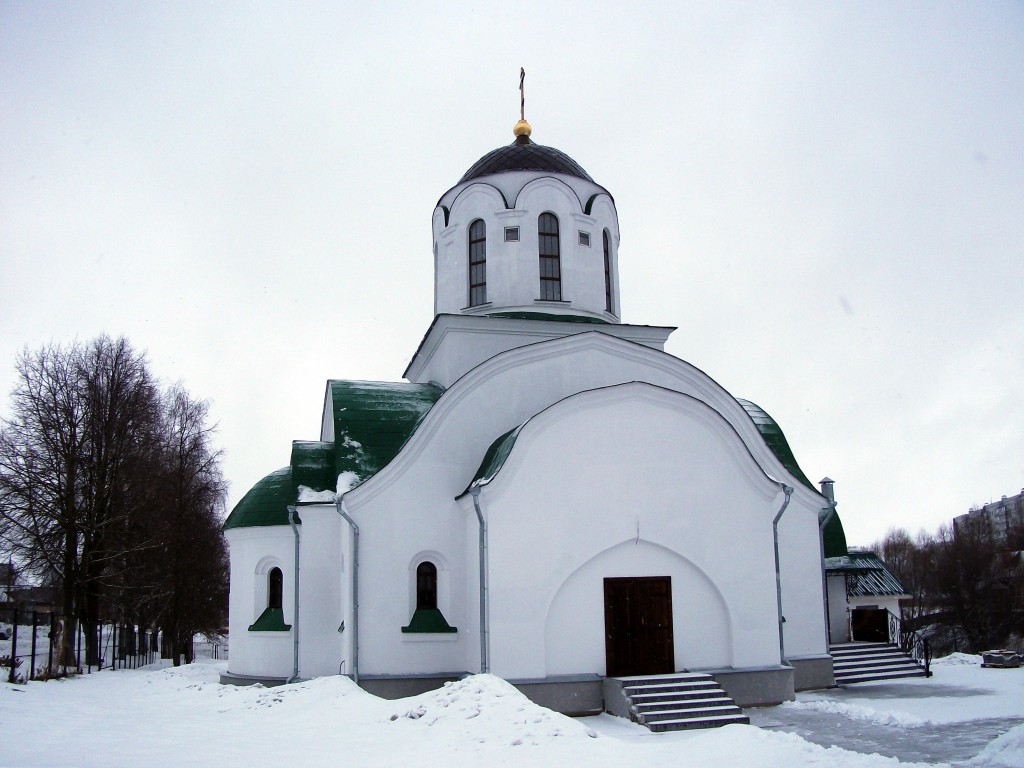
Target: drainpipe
column 484, row 628
column 778, row 576
column 295, row 619
column 829, row 493
column 339, row 504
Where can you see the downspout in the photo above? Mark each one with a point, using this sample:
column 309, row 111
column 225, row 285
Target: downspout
column 484, row 628
column 295, row 618
column 778, row 575
column 829, row 493
column 339, row 504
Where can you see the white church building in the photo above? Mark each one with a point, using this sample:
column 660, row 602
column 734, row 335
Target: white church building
column 548, row 496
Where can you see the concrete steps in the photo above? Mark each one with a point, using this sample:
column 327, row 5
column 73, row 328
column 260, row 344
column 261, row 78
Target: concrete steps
column 869, row 662
column 676, row 702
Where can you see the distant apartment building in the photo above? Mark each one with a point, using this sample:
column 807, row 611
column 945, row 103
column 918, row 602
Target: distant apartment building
column 1003, row 520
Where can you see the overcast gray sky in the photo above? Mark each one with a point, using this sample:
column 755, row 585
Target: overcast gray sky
column 826, row 198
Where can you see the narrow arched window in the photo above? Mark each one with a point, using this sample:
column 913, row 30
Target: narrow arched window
column 607, row 271
column 426, row 586
column 550, row 269
column 477, row 263
column 275, row 588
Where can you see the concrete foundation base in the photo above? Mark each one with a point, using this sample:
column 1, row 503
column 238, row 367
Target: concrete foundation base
column 576, row 695
column 812, row 672
column 393, row 687
column 267, row 682
column 581, row 695
column 755, row 686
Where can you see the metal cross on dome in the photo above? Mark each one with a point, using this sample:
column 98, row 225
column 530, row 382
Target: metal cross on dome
column 522, row 94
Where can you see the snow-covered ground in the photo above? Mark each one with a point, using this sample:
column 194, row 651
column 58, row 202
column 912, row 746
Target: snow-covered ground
column 183, row 716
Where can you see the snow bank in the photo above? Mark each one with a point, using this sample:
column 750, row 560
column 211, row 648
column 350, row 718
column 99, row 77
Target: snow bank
column 1006, row 751
column 485, row 708
column 860, row 712
column 957, row 659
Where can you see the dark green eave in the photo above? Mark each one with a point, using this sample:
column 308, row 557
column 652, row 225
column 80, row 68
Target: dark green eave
column 548, row 316
column 373, row 420
column 772, row 435
column 266, row 503
column 494, row 458
column 428, row 620
column 834, row 537
column 271, row 620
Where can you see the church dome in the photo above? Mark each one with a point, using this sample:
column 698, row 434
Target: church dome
column 524, row 155
column 526, row 233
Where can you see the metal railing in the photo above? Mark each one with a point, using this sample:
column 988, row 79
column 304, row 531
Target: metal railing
column 910, row 642
column 28, row 652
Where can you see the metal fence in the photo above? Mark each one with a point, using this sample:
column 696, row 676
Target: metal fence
column 28, row 641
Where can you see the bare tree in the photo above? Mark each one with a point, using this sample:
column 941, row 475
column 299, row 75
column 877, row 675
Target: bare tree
column 41, row 456
column 195, row 556
column 113, row 491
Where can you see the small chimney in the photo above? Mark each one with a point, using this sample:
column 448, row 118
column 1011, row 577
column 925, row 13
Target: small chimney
column 826, row 488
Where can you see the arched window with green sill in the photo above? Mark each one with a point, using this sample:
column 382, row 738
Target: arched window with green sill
column 272, row 618
column 427, row 618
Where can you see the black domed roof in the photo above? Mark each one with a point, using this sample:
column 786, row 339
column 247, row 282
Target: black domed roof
column 524, row 155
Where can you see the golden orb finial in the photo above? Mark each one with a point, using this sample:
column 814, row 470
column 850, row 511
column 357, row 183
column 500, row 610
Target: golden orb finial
column 522, row 128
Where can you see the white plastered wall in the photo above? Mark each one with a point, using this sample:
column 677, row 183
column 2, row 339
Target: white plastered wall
column 393, row 540
column 322, row 581
column 803, row 605
column 253, row 552
column 629, row 481
column 513, row 277
column 838, row 609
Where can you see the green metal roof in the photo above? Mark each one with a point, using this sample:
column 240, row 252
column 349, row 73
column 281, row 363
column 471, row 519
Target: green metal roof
column 772, row 435
column 867, row 575
column 266, row 503
column 494, row 457
column 834, row 536
column 313, row 465
column 373, row 420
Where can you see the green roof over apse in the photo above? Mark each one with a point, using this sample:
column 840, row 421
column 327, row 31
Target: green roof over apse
column 772, row 435
column 834, row 536
column 373, row 420
column 266, row 503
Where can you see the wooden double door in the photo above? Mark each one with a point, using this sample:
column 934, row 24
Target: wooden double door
column 638, row 626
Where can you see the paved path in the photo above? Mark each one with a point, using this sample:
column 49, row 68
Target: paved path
column 953, row 743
